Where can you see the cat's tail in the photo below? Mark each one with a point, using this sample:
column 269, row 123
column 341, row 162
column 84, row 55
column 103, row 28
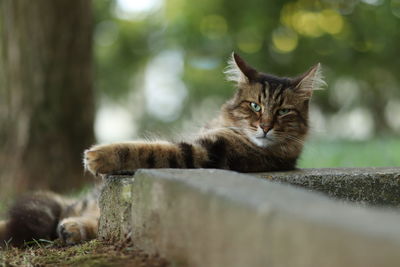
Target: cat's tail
column 33, row 216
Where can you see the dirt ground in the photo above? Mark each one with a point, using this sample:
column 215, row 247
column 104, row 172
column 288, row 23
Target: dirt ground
column 93, row 253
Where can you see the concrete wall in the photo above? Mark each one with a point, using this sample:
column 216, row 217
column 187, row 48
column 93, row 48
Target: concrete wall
column 373, row 186
column 221, row 218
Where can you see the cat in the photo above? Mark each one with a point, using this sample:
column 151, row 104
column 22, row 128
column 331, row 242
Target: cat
column 46, row 215
column 262, row 128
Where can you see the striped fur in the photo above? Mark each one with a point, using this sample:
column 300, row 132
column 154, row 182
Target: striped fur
column 240, row 139
column 45, row 215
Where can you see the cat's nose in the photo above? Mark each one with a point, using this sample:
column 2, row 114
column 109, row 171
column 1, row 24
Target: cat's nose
column 266, row 128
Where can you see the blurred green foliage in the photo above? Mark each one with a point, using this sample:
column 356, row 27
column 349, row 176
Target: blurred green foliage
column 334, row 154
column 357, row 43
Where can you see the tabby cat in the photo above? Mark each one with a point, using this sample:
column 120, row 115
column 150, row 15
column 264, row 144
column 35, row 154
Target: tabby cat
column 262, row 128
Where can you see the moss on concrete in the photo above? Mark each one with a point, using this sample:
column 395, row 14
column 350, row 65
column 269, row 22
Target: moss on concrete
column 223, row 218
column 373, row 186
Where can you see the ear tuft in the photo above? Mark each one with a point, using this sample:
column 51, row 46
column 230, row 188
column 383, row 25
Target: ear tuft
column 239, row 71
column 233, row 72
column 311, row 80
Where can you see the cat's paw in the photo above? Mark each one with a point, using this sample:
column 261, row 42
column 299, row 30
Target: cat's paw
column 101, row 160
column 72, row 231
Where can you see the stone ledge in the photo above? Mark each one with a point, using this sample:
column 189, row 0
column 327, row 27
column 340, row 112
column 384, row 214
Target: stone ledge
column 374, row 186
column 221, row 218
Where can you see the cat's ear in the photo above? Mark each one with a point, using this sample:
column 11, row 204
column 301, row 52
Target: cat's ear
column 239, row 71
column 310, row 81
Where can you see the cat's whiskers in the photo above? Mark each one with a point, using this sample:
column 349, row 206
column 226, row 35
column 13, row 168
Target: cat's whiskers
column 298, row 140
column 290, row 137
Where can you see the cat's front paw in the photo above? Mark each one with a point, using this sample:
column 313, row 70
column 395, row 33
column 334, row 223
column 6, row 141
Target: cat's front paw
column 73, row 231
column 101, row 160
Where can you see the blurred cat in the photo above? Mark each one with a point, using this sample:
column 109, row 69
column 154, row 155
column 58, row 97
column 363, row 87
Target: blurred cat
column 262, row 128
column 45, row 215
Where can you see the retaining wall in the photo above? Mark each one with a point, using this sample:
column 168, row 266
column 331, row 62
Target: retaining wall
column 223, row 218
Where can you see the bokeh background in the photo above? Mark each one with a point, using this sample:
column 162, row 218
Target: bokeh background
column 160, row 63
column 153, row 68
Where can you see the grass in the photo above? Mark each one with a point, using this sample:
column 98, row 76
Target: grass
column 371, row 153
column 93, row 253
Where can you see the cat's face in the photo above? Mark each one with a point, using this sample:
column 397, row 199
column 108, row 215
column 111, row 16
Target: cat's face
column 270, row 110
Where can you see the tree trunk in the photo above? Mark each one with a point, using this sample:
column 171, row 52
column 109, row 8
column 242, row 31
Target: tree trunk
column 46, row 98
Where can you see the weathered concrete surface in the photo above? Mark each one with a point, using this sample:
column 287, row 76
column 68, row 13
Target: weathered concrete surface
column 375, row 186
column 220, row 218
column 116, row 208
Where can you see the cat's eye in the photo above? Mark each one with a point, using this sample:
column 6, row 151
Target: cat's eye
column 283, row 111
column 255, row 107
